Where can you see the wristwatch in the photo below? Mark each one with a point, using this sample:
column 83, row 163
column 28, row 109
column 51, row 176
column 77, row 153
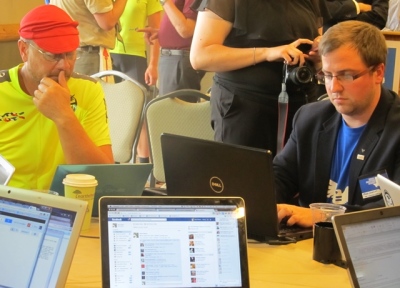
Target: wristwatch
column 162, row 2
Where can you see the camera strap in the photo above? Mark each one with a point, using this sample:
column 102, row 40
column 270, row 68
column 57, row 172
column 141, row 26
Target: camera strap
column 283, row 107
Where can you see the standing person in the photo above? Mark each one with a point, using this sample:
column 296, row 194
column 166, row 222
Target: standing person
column 338, row 147
column 48, row 114
column 130, row 58
column 374, row 12
column 175, row 38
column 97, row 21
column 246, row 42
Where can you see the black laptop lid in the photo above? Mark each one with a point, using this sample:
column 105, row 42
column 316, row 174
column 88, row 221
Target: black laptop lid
column 219, row 169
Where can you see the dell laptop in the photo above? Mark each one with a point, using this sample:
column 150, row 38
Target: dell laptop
column 165, row 242
column 197, row 167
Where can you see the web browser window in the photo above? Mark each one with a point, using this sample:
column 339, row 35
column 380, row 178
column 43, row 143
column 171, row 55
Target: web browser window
column 374, row 251
column 174, row 246
column 36, row 236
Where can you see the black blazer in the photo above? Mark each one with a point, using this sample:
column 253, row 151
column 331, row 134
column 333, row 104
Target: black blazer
column 335, row 11
column 303, row 166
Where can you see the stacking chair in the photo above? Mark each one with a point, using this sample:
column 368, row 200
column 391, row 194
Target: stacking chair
column 323, row 97
column 168, row 114
column 125, row 108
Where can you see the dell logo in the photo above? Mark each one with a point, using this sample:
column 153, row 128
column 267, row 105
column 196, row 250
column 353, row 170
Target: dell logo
column 216, row 184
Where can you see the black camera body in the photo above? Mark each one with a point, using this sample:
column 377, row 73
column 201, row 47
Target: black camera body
column 299, row 75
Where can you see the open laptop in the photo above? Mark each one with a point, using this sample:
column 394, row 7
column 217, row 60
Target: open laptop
column 6, row 171
column 113, row 179
column 173, row 242
column 390, row 190
column 197, row 167
column 369, row 242
column 39, row 233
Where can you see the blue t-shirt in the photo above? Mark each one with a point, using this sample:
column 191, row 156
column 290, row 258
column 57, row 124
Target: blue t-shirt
column 346, row 142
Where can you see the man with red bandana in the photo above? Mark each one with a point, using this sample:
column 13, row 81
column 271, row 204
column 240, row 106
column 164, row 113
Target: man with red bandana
column 48, row 114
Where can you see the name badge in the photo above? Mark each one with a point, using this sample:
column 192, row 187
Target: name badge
column 369, row 186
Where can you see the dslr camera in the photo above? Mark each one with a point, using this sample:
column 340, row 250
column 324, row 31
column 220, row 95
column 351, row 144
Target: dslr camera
column 298, row 75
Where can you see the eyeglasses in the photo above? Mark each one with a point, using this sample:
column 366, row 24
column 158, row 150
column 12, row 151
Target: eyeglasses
column 55, row 58
column 342, row 78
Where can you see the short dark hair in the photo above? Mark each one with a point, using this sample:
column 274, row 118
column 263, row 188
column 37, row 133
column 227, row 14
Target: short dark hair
column 365, row 38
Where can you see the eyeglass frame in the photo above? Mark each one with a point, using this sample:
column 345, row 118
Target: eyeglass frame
column 342, row 78
column 54, row 58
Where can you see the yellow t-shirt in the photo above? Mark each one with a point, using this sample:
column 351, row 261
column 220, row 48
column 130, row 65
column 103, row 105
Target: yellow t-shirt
column 135, row 16
column 29, row 140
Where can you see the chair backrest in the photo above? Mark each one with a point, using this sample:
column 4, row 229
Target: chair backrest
column 323, row 97
column 167, row 114
column 125, row 108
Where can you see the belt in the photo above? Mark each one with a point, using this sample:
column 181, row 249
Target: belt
column 89, row 48
column 174, row 52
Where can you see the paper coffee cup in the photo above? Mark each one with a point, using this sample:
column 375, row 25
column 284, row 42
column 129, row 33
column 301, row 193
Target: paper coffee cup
column 82, row 187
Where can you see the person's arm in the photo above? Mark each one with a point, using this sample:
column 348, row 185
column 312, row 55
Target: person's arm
column 52, row 99
column 208, row 52
column 377, row 15
column 184, row 26
column 364, row 7
column 108, row 20
column 151, row 74
column 340, row 10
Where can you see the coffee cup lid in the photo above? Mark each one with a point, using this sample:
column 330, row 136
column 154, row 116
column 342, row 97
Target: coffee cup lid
column 80, row 180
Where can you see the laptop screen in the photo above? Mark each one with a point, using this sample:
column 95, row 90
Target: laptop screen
column 40, row 237
column 113, row 179
column 371, row 249
column 174, row 243
column 6, row 171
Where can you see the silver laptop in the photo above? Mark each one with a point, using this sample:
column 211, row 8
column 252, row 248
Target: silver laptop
column 6, row 171
column 390, row 190
column 113, row 179
column 369, row 241
column 197, row 167
column 173, row 242
column 39, row 233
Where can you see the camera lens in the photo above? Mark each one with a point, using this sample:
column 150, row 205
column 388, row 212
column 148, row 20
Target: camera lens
column 303, row 75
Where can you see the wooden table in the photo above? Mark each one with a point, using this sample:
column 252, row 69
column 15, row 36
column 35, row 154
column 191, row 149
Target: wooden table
column 284, row 266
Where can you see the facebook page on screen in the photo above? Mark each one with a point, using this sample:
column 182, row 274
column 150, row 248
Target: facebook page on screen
column 174, row 246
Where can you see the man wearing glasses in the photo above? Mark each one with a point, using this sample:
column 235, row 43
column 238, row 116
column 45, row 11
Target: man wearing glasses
column 48, row 114
column 338, row 146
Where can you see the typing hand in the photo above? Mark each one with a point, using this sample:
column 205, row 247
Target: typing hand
column 52, row 99
column 295, row 215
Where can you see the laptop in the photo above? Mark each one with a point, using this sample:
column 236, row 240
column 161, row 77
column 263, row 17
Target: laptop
column 6, row 171
column 369, row 242
column 390, row 190
column 161, row 241
column 39, row 233
column 113, row 179
column 197, row 167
